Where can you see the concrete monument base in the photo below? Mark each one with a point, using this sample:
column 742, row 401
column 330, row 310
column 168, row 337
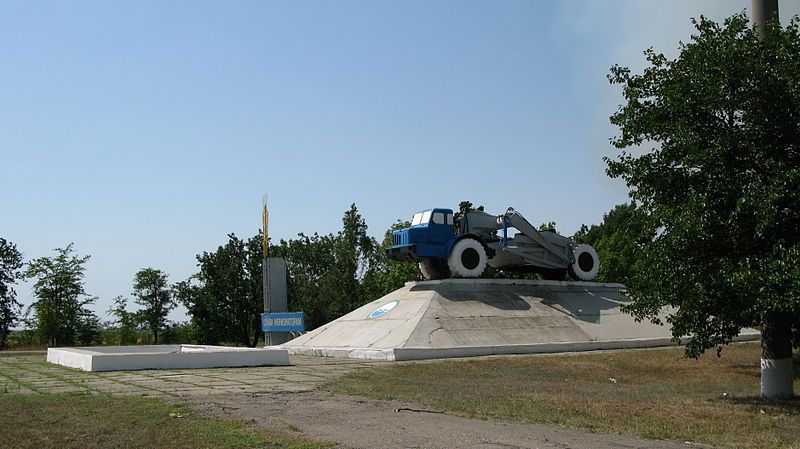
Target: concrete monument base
column 117, row 358
column 475, row 317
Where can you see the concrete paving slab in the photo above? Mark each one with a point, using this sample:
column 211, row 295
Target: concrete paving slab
column 305, row 375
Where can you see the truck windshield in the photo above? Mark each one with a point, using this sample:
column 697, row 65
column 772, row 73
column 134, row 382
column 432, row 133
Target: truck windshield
column 421, row 218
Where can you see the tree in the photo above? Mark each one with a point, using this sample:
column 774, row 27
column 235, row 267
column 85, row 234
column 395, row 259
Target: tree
column 60, row 298
column 618, row 240
column 10, row 273
column 206, row 324
column 151, row 290
column 126, row 321
column 719, row 187
column 225, row 298
column 388, row 275
column 353, row 258
column 309, row 263
column 88, row 327
column 328, row 274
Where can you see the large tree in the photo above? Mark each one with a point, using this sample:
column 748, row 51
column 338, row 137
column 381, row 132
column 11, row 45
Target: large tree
column 59, row 307
column 711, row 153
column 10, row 274
column 152, row 291
column 224, row 298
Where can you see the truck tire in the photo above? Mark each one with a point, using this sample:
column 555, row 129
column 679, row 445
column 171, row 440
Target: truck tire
column 433, row 269
column 467, row 258
column 586, row 264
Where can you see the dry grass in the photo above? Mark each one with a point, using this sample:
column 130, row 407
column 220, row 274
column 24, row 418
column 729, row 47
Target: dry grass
column 93, row 422
column 655, row 394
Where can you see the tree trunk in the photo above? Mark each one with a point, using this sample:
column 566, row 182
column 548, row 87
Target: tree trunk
column 776, row 356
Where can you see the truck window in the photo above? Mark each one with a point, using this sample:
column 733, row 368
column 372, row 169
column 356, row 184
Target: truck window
column 417, row 219
column 450, row 219
column 426, row 217
column 438, row 218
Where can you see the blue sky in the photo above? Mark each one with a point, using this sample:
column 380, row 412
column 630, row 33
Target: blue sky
column 145, row 132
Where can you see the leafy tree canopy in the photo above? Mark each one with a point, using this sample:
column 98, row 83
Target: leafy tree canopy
column 711, row 153
column 10, row 274
column 127, row 322
column 59, row 309
column 151, row 290
column 388, row 275
column 330, row 275
column 618, row 240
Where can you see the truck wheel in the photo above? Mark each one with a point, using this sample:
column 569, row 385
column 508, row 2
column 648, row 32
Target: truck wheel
column 467, row 258
column 586, row 263
column 433, row 269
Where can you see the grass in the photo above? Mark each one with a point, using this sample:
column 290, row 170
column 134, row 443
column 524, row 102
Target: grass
column 656, row 394
column 90, row 421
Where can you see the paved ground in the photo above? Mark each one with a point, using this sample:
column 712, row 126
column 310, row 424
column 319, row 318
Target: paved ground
column 284, row 398
column 361, row 423
column 31, row 374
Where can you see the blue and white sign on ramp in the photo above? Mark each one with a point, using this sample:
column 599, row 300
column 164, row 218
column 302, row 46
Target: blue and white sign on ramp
column 382, row 310
column 283, row 322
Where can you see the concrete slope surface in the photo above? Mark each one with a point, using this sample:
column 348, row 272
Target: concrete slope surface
column 471, row 317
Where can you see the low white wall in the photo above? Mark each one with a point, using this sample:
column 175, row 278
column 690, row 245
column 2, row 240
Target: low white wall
column 116, row 358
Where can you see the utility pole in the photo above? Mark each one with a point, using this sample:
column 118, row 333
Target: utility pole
column 264, row 267
column 764, row 11
column 776, row 327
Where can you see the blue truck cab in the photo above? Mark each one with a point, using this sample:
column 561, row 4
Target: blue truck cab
column 430, row 236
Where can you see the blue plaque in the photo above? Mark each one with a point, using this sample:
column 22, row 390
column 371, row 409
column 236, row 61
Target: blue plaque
column 283, row 322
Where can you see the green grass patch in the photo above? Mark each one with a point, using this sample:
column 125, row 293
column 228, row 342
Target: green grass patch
column 10, row 384
column 657, row 394
column 90, row 421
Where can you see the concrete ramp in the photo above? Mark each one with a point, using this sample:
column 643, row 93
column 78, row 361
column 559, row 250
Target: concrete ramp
column 472, row 317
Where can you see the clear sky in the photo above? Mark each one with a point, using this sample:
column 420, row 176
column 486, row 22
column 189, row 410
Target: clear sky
column 146, row 131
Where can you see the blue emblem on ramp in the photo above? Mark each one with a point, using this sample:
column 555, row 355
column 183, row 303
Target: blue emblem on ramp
column 383, row 309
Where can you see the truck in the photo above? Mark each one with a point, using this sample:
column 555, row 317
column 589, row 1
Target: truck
column 462, row 245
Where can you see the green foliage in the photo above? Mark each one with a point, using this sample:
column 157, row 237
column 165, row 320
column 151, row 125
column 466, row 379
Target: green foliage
column 618, row 240
column 549, row 226
column 24, row 339
column 59, row 308
column 388, row 275
column 151, row 290
column 175, row 333
column 719, row 185
column 127, row 322
column 206, row 325
column 327, row 277
column 327, row 273
column 225, row 299
column 87, row 330
column 10, row 274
